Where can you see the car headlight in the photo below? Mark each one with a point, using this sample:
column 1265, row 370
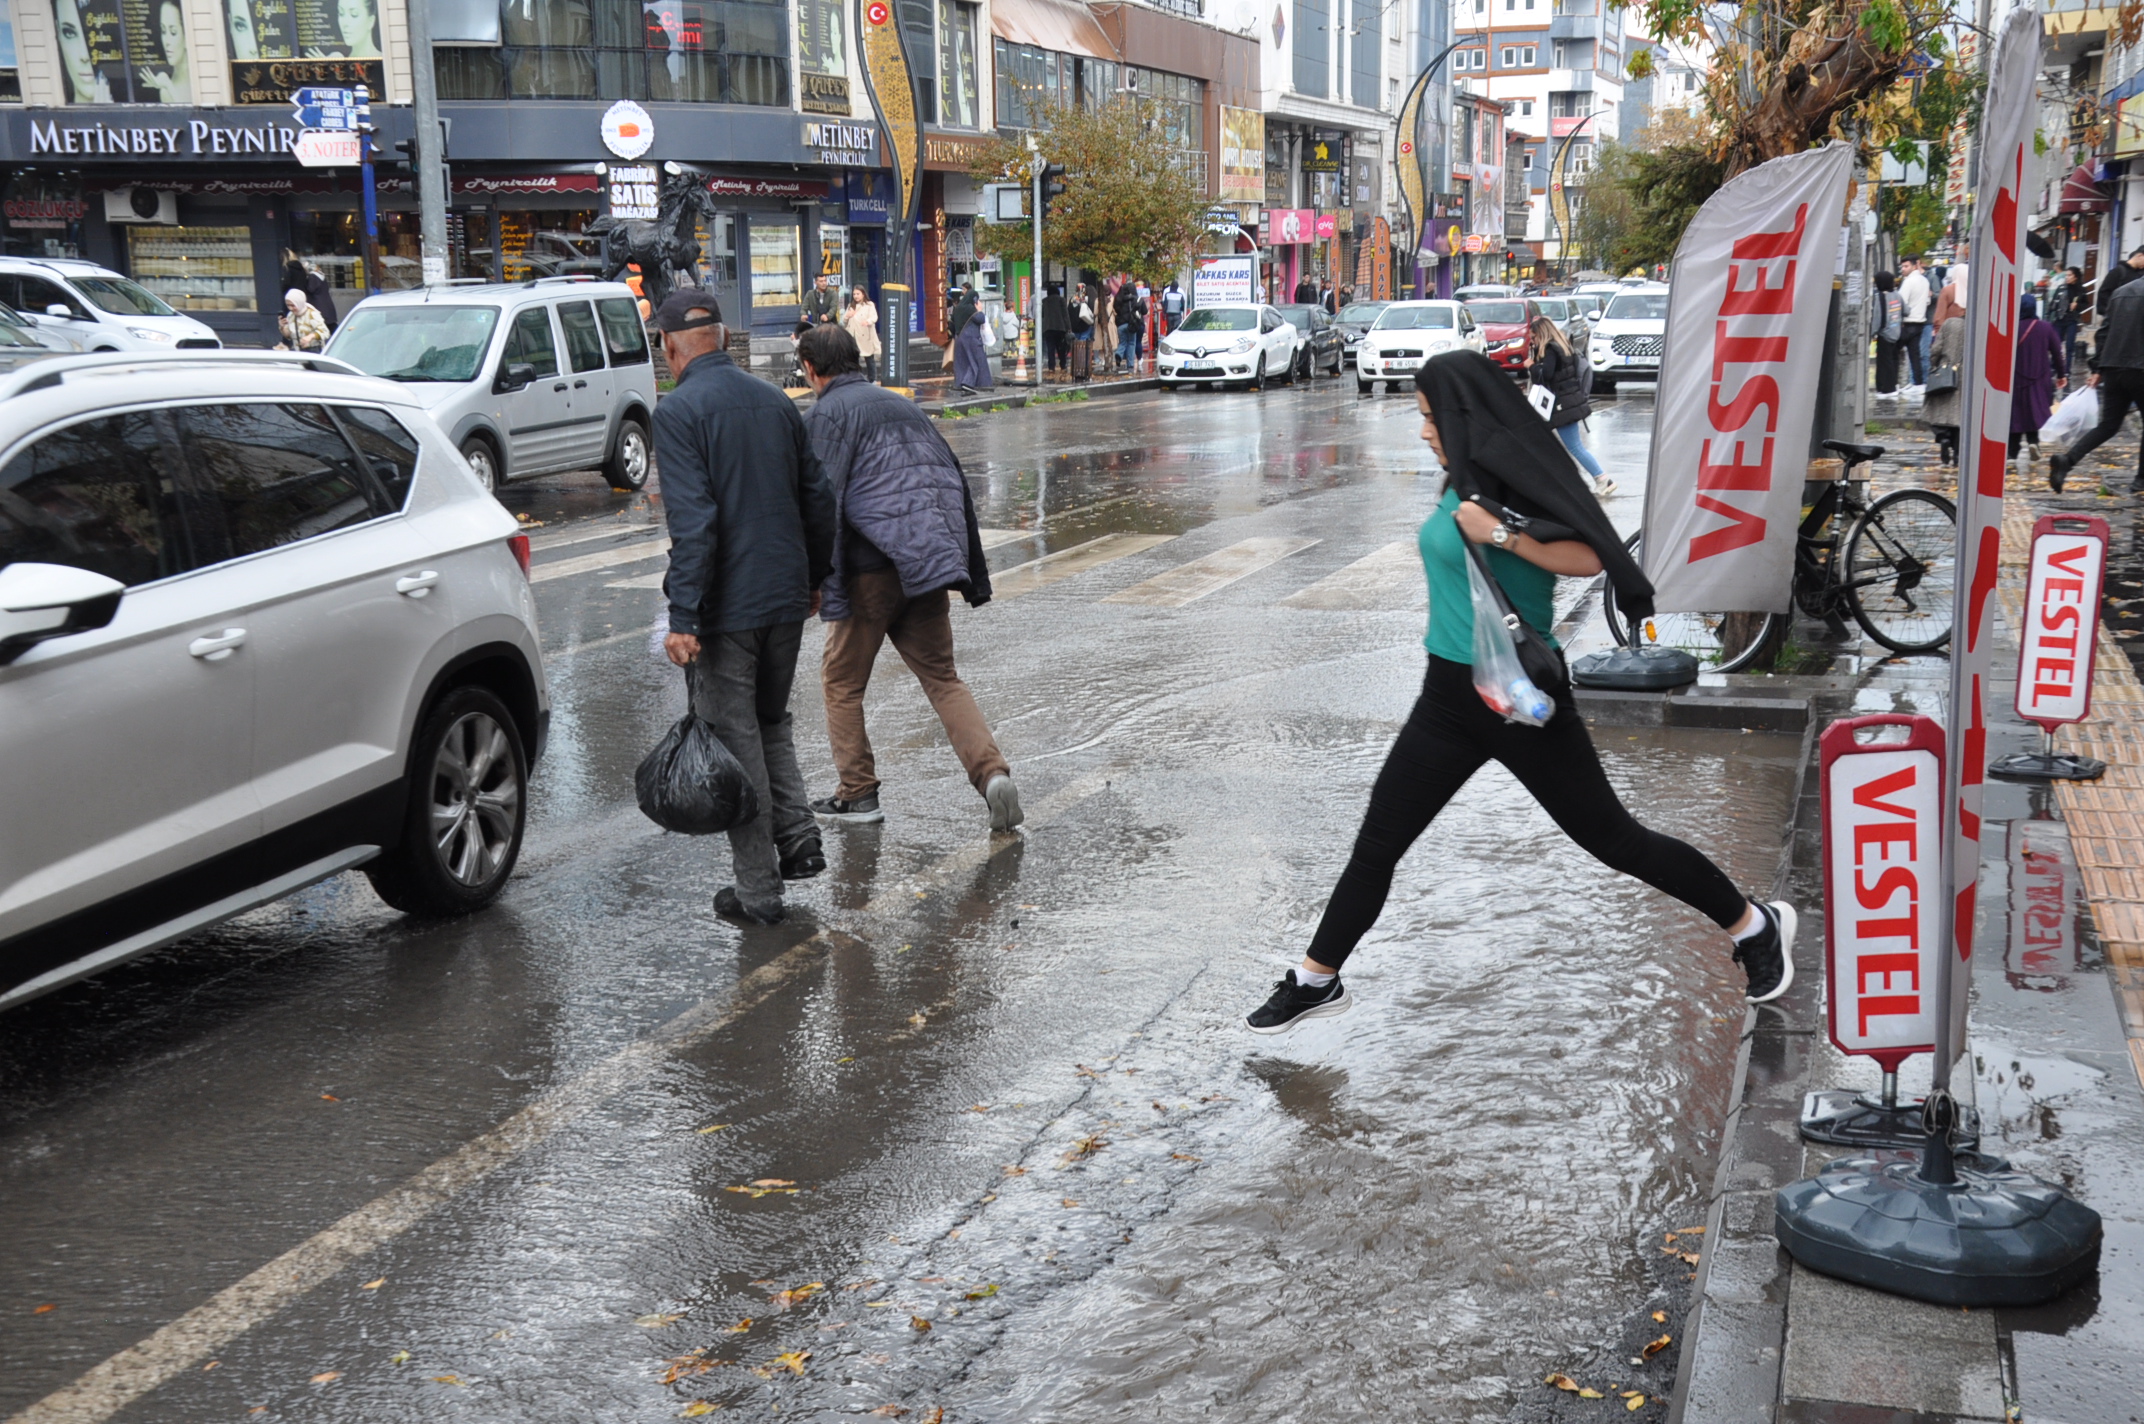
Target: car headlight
column 1244, row 343
column 147, row 334
column 1440, row 345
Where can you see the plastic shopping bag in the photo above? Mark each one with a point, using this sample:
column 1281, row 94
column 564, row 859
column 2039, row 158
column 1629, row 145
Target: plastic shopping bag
column 2072, row 418
column 1498, row 675
column 990, row 337
column 691, row 783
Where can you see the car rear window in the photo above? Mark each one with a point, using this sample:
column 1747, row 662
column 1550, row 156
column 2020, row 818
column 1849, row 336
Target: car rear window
column 622, row 331
column 584, row 346
column 100, row 495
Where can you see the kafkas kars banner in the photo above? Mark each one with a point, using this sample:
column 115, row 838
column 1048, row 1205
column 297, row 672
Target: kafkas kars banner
column 1738, row 385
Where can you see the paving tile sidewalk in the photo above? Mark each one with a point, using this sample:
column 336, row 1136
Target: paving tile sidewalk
column 2055, row 1062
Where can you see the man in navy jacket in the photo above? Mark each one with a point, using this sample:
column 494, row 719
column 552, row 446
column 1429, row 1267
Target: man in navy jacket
column 751, row 539
column 908, row 534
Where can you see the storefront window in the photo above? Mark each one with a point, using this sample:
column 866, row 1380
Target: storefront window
column 691, row 51
column 10, row 77
column 774, row 266
column 1029, row 80
column 195, row 268
column 956, row 68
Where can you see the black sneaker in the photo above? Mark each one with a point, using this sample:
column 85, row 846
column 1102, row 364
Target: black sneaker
column 1768, row 956
column 862, row 811
column 2058, row 471
column 730, row 907
column 1292, row 1003
column 804, row 859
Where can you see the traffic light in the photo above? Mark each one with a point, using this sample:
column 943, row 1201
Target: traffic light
column 1053, row 182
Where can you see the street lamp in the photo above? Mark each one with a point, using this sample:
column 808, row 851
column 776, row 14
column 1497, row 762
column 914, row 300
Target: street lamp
column 1409, row 166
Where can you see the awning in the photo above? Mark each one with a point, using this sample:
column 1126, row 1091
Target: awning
column 2128, row 89
column 1064, row 26
column 2081, row 194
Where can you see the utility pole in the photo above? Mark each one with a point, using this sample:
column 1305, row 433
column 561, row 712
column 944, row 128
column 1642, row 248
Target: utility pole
column 368, row 238
column 430, row 152
column 1035, row 288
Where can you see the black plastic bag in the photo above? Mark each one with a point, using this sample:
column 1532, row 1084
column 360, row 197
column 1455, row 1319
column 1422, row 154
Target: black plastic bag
column 691, row 783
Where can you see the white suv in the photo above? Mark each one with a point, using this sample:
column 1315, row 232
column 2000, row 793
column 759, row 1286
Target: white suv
column 259, row 624
column 1628, row 340
column 97, row 307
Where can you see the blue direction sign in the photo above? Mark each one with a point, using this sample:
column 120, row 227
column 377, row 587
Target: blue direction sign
column 327, row 109
column 1920, row 64
column 316, row 96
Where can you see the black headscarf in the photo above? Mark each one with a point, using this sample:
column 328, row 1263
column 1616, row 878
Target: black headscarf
column 1496, row 446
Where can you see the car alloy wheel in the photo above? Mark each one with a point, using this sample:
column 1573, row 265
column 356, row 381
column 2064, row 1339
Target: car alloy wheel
column 627, row 467
column 475, row 790
column 482, row 463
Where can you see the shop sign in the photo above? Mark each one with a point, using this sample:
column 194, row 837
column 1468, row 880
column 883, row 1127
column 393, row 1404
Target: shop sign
column 1287, row 226
column 327, row 148
column 869, row 197
column 1223, row 219
column 1323, row 155
column 843, row 145
column 627, row 129
column 960, row 244
column 950, row 153
column 1328, row 225
column 36, row 207
column 1473, row 243
column 1225, row 281
column 823, row 93
column 1243, row 154
column 274, row 82
column 197, row 137
column 768, row 187
column 635, row 192
column 529, row 183
column 305, row 41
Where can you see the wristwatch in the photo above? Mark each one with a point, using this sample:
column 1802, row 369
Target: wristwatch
column 1502, row 535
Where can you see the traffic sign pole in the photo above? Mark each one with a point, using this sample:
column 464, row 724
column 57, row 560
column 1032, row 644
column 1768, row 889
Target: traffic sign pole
column 370, row 237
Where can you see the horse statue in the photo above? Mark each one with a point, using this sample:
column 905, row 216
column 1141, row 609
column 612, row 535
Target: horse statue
column 662, row 247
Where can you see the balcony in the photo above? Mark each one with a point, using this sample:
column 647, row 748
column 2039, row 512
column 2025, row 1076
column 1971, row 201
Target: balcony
column 1578, row 81
column 1574, row 27
column 1189, row 9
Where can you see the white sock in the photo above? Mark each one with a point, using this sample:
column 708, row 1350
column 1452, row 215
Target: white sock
column 1312, row 981
column 1758, row 924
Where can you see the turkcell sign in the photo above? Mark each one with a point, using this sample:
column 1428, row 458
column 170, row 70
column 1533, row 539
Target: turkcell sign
column 1738, row 385
column 1883, row 884
column 2054, row 657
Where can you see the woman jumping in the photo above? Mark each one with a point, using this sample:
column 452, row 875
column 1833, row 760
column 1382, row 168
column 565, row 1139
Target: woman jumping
column 1493, row 447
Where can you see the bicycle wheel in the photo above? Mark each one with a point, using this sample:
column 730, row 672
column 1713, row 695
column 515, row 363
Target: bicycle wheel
column 1901, row 574
column 1721, row 642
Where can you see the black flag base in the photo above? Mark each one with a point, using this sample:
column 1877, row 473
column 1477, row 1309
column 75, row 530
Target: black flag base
column 2047, row 766
column 1846, row 1118
column 1939, row 1225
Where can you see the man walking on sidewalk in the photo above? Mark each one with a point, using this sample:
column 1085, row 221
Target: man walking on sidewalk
column 751, row 539
column 907, row 535
column 2120, row 378
column 1914, row 296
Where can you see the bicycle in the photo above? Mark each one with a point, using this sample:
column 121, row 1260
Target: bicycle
column 1897, row 577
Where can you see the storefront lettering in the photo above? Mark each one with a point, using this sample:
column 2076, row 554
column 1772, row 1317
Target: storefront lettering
column 200, row 136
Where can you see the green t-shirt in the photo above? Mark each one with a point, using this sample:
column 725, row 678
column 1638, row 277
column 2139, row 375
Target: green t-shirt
column 1531, row 588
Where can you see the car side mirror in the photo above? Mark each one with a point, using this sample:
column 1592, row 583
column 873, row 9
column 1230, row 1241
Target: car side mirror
column 1592, row 316
column 513, row 377
column 40, row 601
column 60, row 309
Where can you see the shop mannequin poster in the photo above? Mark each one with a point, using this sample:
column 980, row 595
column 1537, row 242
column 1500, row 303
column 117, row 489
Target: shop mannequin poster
column 302, row 29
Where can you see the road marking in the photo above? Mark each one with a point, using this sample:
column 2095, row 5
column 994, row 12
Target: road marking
column 654, row 580
column 571, row 534
column 602, row 559
column 215, row 1323
column 994, row 537
column 1027, row 577
column 1390, row 577
column 991, row 539
column 1188, row 583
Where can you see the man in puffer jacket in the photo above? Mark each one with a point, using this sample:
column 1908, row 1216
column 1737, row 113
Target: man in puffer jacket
column 907, row 534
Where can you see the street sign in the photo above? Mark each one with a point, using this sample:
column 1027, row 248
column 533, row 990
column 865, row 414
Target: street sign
column 328, row 148
column 1883, row 884
column 318, row 108
column 317, row 95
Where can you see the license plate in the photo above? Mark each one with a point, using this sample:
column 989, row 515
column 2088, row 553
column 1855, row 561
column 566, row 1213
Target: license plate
column 1192, row 370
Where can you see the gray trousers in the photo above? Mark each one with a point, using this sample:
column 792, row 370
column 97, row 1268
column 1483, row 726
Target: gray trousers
column 742, row 691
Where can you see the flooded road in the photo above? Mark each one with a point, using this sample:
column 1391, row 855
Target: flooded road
column 976, row 1128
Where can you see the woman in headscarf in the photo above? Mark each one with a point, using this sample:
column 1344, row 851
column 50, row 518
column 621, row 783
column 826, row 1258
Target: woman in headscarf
column 971, row 359
column 2040, row 367
column 1946, row 352
column 1510, row 485
column 1887, row 323
column 317, row 291
column 302, row 328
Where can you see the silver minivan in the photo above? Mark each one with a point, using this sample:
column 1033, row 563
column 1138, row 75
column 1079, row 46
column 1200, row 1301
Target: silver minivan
column 527, row 379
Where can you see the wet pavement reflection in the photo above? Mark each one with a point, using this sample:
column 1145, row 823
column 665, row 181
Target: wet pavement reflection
column 975, row 1128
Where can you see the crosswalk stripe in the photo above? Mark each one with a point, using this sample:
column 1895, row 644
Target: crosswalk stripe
column 604, row 559
column 654, row 580
column 1390, row 577
column 994, row 537
column 1188, row 583
column 1027, row 577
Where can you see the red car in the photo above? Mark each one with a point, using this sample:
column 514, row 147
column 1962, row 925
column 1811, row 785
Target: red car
column 1503, row 330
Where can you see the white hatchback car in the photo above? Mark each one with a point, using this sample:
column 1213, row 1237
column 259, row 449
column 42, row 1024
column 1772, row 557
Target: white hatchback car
column 1630, row 337
column 259, row 624
column 1406, row 334
column 97, row 307
column 1221, row 343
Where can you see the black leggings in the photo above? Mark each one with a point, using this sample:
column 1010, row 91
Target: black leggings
column 1448, row 736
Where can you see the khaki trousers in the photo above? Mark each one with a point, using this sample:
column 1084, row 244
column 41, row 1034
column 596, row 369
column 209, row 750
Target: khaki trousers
column 922, row 633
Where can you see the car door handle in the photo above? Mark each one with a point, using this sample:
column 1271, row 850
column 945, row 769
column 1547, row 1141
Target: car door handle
column 216, row 649
column 580, row 385
column 417, row 585
column 559, row 387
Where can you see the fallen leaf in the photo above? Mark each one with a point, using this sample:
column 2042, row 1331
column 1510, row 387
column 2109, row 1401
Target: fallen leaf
column 210, row 1365
column 979, row 1107
column 889, row 1411
column 983, row 1292
column 918, row 1020
column 329, row 1098
column 374, row 1285
column 1660, row 1317
column 258, row 1409
column 399, row 1357
column 717, row 1127
column 661, row 1319
column 1689, row 1231
column 1689, row 1258
column 1635, row 1403
column 762, row 1283
column 1009, row 1170
column 844, row 1060
column 739, row 1328
column 918, row 1322
column 792, row 1360
column 1081, row 1070
column 327, row 1377
column 1185, row 1157
column 1562, row 1382
column 936, row 1416
column 1658, row 1345
column 989, row 1197
column 693, row 1362
column 698, row 1407
column 773, row 1182
column 1083, row 1147
column 859, row 1285
column 454, row 1380
column 1591, row 1394
column 784, row 1299
column 1070, row 1202
column 49, row 1308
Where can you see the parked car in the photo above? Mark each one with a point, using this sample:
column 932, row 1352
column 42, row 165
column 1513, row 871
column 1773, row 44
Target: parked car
column 23, row 343
column 1567, row 315
column 1354, row 319
column 97, row 307
column 1405, row 335
column 1480, row 290
column 1503, row 331
column 526, row 379
column 1217, row 344
column 1318, row 346
column 259, row 625
column 1627, row 341
column 47, row 334
column 556, row 254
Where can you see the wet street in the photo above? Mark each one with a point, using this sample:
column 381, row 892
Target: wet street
column 977, row 1129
